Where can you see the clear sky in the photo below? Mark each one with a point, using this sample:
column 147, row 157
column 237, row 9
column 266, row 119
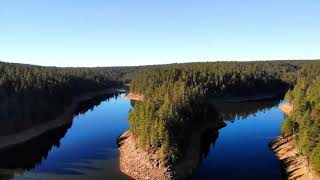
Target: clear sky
column 135, row 32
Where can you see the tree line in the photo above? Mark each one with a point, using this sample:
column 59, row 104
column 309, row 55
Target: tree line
column 174, row 95
column 304, row 121
column 23, row 79
column 30, row 95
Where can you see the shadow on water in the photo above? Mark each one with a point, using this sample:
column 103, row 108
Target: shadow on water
column 213, row 164
column 204, row 131
column 242, row 110
column 19, row 159
column 208, row 140
column 34, row 111
column 26, row 156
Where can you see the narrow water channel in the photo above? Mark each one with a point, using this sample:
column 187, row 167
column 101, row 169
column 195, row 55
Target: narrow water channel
column 86, row 148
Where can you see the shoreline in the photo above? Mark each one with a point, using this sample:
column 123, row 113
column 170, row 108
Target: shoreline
column 142, row 164
column 215, row 100
column 286, row 108
column 65, row 118
column 137, row 163
column 295, row 166
column 134, row 96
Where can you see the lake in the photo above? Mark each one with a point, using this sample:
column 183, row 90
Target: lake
column 240, row 150
column 86, row 147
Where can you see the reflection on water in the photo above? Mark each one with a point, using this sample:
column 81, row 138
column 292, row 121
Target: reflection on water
column 240, row 150
column 201, row 131
column 85, row 147
column 26, row 156
column 208, row 140
column 242, row 110
column 75, row 149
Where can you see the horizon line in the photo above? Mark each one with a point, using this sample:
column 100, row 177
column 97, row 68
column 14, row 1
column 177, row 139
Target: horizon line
column 159, row 64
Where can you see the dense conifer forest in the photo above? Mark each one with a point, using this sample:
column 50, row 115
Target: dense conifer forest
column 161, row 121
column 172, row 91
column 23, row 79
column 30, row 94
column 304, row 122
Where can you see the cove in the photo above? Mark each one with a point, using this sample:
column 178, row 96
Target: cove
column 240, row 150
column 86, row 147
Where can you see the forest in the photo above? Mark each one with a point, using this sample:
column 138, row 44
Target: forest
column 304, row 122
column 24, row 79
column 162, row 120
column 38, row 92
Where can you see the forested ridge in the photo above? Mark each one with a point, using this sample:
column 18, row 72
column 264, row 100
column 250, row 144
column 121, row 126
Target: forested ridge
column 304, row 121
column 30, row 94
column 22, row 79
column 161, row 121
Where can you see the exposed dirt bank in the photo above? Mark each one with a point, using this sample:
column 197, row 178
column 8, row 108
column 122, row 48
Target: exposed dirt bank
column 140, row 164
column 65, row 118
column 286, row 108
column 295, row 165
column 136, row 97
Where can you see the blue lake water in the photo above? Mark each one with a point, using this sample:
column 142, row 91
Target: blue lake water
column 241, row 149
column 87, row 149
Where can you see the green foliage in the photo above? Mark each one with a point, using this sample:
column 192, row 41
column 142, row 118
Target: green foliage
column 315, row 158
column 27, row 89
column 174, row 93
column 305, row 118
column 21, row 79
column 287, row 127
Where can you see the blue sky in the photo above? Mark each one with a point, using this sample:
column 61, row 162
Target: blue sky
column 135, row 32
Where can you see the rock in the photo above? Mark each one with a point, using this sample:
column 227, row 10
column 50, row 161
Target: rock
column 295, row 165
column 138, row 164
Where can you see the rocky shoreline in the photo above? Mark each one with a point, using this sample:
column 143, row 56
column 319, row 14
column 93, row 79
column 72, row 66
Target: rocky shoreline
column 286, row 108
column 140, row 164
column 134, row 96
column 295, row 166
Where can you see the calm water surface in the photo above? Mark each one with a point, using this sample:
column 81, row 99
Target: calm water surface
column 87, row 149
column 241, row 148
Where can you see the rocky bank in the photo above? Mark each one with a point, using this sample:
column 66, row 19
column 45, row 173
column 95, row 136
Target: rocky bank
column 140, row 164
column 295, row 166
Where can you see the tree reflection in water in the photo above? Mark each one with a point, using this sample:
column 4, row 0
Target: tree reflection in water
column 21, row 113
